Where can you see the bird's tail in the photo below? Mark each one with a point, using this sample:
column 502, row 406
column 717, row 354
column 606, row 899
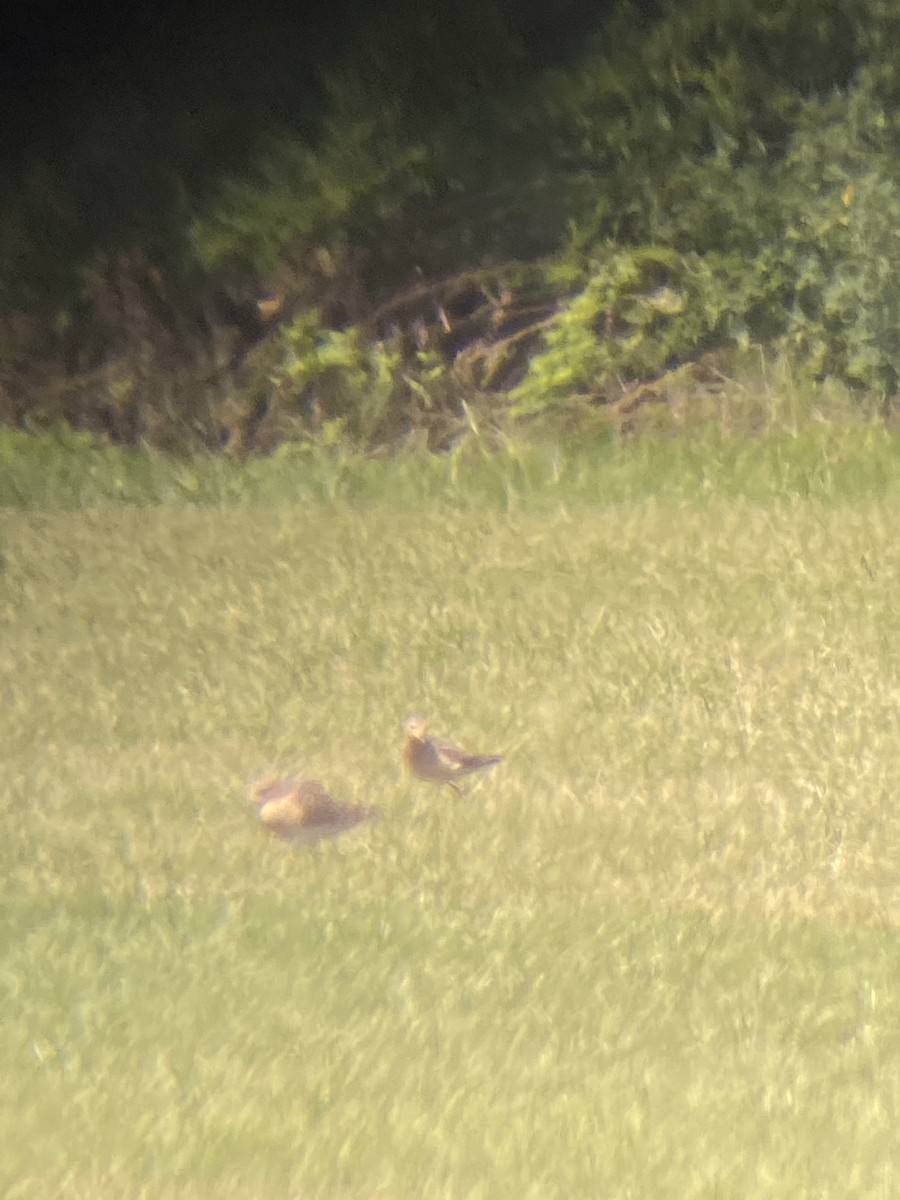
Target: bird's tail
column 477, row 762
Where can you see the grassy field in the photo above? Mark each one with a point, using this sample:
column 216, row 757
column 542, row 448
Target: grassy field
column 653, row 954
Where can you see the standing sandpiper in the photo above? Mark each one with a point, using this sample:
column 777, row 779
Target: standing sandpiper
column 437, row 760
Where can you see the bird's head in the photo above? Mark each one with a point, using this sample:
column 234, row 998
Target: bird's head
column 415, row 726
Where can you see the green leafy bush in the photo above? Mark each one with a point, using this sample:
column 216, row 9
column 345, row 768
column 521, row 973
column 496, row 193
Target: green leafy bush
column 342, row 387
column 842, row 173
column 301, row 199
column 643, row 310
column 795, row 249
column 718, row 173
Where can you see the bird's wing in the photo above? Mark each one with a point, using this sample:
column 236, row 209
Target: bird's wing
column 453, row 757
column 321, row 811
